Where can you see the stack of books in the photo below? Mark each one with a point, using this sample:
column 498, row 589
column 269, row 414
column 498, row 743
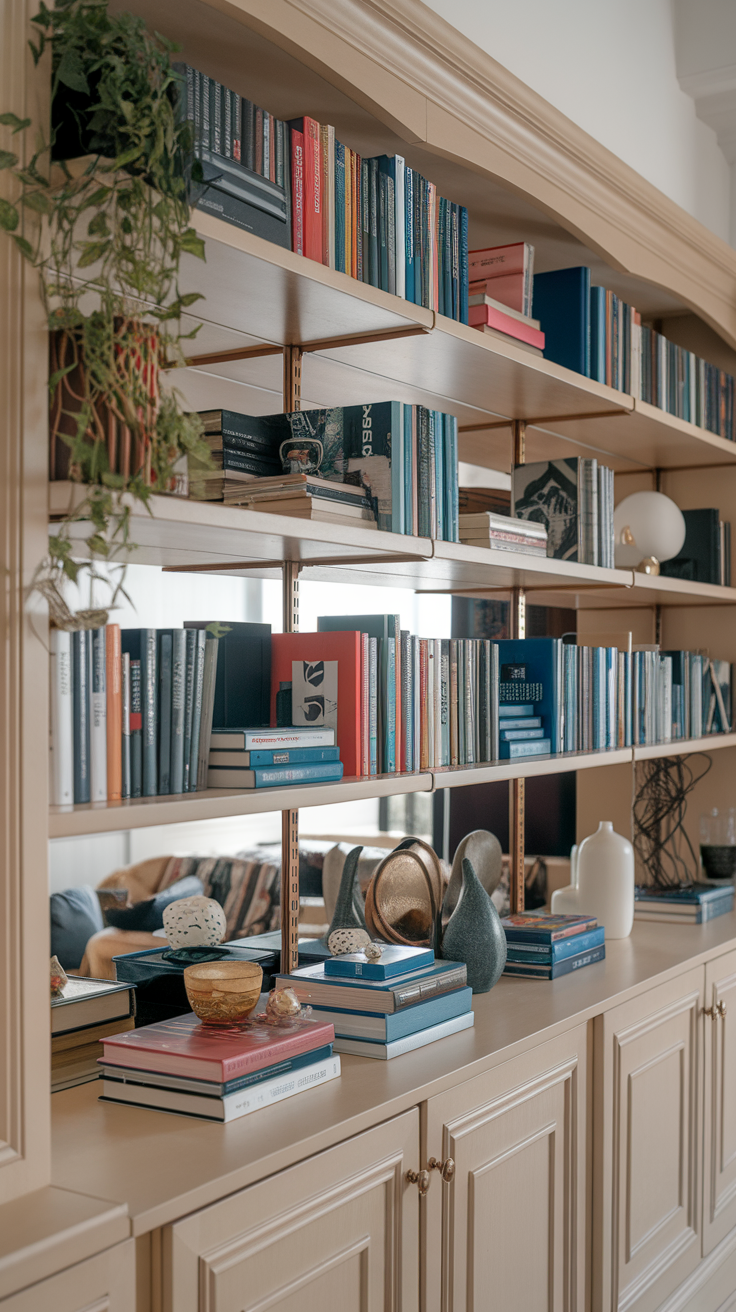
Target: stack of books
column 216, row 1074
column 389, row 462
column 545, row 946
column 500, row 295
column 706, row 552
column 484, row 529
column 477, row 500
column 683, row 906
column 83, row 1016
column 384, row 1008
column 267, row 758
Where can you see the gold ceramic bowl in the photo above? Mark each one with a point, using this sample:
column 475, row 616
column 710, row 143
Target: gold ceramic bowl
column 221, row 992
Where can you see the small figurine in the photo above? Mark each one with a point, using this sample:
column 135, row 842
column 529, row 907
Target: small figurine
column 284, row 1009
column 342, row 941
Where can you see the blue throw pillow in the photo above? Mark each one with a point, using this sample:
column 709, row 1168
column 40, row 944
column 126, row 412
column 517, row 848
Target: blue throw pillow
column 75, row 917
column 149, row 915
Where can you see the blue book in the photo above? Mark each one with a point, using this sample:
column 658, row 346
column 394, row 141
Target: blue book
column 439, row 474
column 340, row 208
column 570, row 687
column 409, row 184
column 274, row 776
column 81, row 691
column 514, row 711
column 520, row 735
column 514, row 751
column 536, row 661
column 130, row 1075
column 463, row 264
column 565, row 967
column 346, row 993
column 277, row 756
column 388, row 703
column 599, row 698
column 598, row 334
column 549, row 953
column 377, row 1028
column 523, row 722
column 695, row 895
column 395, row 960
column 562, row 305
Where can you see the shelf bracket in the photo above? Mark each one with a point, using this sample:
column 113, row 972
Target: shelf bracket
column 322, row 344
column 219, row 567
column 290, row 818
column 540, row 420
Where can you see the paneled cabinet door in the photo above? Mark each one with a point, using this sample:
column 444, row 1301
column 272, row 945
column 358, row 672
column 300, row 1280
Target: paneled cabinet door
column 719, row 1166
column 339, row 1231
column 104, row 1283
column 508, row 1232
column 647, row 1137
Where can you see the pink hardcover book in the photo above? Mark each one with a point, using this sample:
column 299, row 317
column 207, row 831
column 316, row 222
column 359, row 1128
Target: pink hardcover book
column 480, row 315
column 495, row 260
column 508, row 288
column 183, row 1046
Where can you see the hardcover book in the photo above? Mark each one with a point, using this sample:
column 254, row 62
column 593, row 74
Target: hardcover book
column 562, row 495
column 562, row 306
column 343, row 648
column 544, row 928
column 243, row 678
column 394, row 960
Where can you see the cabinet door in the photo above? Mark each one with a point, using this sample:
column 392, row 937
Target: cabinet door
column 340, row 1230
column 104, row 1283
column 647, row 1137
column 509, row 1230
column 719, row 1167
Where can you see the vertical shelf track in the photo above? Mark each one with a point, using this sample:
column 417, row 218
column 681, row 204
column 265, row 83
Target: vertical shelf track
column 290, row 818
column 517, row 786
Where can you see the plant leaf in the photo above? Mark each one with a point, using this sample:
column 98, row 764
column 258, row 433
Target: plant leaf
column 10, row 120
column 24, row 246
column 71, row 71
column 191, row 243
column 8, row 216
column 7, row 159
column 93, row 252
column 38, row 201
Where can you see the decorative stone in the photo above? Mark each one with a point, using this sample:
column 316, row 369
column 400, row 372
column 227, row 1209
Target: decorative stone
column 474, row 934
column 59, row 977
column 283, row 1002
column 349, row 913
column 342, row 941
column 194, row 921
column 373, row 951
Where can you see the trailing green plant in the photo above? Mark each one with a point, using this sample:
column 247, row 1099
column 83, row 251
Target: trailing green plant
column 100, row 209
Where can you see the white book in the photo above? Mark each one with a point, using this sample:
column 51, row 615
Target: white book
column 98, row 718
column 248, row 740
column 400, row 223
column 385, row 1051
column 62, row 740
column 232, row 1105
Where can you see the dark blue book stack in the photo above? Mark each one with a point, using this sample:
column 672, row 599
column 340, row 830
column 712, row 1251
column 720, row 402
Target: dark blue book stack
column 529, row 707
column 382, row 1009
column 683, row 906
column 545, row 946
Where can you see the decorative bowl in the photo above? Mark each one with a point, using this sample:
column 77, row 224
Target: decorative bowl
column 222, row 992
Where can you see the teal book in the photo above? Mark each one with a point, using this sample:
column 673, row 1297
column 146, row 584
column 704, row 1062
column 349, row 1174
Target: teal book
column 564, row 967
column 149, row 709
column 388, row 703
column 514, row 751
column 81, row 692
column 340, row 208
column 383, row 1028
column 547, row 954
column 395, row 960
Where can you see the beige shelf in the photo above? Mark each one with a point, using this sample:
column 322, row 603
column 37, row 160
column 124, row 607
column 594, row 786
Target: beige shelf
column 533, row 766
column 710, row 743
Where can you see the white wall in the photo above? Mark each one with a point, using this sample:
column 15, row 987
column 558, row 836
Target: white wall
column 609, row 65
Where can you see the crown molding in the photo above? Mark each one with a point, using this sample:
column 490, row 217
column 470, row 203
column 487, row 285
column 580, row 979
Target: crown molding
column 389, row 55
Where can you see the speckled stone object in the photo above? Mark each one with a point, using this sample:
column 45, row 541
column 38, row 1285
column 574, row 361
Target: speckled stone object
column 342, row 941
column 194, row 921
column 474, row 934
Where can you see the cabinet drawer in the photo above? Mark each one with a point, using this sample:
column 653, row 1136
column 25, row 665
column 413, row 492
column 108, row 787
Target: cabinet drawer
column 509, row 1230
column 647, row 1146
column 340, row 1230
column 104, row 1283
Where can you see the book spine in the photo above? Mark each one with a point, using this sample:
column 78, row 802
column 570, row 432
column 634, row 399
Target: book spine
column 125, row 783
column 365, row 704
column 62, row 718
column 463, row 275
column 365, row 231
column 208, row 706
column 236, row 120
column 373, row 218
column 81, row 678
column 312, row 191
column 178, row 702
column 98, row 717
column 148, row 694
column 136, row 730
column 164, row 716
column 341, row 235
column 407, row 762
column 189, row 672
column 324, row 772
column 454, row 747
column 297, row 191
column 114, row 694
column 373, row 729
column 423, row 702
column 200, row 644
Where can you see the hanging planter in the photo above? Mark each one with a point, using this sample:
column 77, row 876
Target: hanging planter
column 102, row 213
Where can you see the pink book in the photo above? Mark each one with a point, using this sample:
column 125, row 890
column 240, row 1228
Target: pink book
column 365, row 705
column 480, row 315
column 183, row 1046
column 508, row 288
column 495, row 260
column 297, row 191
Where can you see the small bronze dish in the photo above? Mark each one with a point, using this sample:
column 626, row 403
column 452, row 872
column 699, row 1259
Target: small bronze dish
column 222, row 992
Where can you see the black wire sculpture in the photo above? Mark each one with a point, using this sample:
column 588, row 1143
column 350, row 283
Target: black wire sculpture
column 660, row 803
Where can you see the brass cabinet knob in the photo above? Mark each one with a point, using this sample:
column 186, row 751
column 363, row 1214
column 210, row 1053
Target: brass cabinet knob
column 422, row 1179
column 710, row 1012
column 716, row 1012
column 721, row 1009
column 446, row 1168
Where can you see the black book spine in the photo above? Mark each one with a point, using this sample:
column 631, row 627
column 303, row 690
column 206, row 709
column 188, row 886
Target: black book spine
column 191, row 635
column 149, row 690
column 164, row 716
column 136, row 730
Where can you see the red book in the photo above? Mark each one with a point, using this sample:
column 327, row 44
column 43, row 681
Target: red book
column 343, row 648
column 183, row 1046
column 480, row 315
column 508, row 288
column 297, row 191
column 312, row 186
column 495, row 260
column 365, row 704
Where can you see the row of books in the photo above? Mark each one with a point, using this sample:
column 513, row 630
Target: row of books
column 706, row 552
column 546, row 946
column 573, row 499
column 383, row 1009
column 693, row 904
column 376, row 219
column 593, row 331
column 387, row 462
column 83, row 1015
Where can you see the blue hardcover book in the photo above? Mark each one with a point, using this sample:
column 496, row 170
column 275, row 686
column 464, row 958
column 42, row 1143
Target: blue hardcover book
column 565, row 967
column 513, row 751
column 598, row 334
column 409, row 467
column 340, row 208
column 695, row 895
column 463, row 264
column 388, row 700
column 277, row 756
column 611, row 660
column 536, row 661
column 570, row 699
column 409, row 176
column 374, row 260
column 130, row 1075
column 381, row 1028
column 395, row 960
column 562, row 306
column 599, row 698
column 521, row 722
column 439, row 474
column 81, row 690
column 521, row 735
column 452, row 514
column 510, row 710
column 546, row 954
column 455, row 258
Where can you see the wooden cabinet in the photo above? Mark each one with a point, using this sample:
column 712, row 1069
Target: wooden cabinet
column 508, row 1231
column 340, row 1230
column 104, row 1283
column 647, row 1145
column 719, row 1101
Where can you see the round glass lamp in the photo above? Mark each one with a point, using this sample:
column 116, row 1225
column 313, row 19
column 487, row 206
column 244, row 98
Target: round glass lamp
column 648, row 527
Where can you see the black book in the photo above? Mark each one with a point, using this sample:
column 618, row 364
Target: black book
column 243, row 679
column 700, row 558
column 81, row 676
column 164, row 712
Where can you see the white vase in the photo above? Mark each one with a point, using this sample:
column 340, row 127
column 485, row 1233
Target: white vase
column 604, row 882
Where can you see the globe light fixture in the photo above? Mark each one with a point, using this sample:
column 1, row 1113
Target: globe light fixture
column 648, row 528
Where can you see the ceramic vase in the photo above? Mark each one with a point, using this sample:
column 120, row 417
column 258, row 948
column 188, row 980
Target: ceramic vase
column 474, row 934
column 604, row 882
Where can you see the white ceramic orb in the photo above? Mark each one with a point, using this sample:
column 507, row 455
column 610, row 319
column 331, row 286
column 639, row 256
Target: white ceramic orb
column 194, row 922
column 656, row 524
